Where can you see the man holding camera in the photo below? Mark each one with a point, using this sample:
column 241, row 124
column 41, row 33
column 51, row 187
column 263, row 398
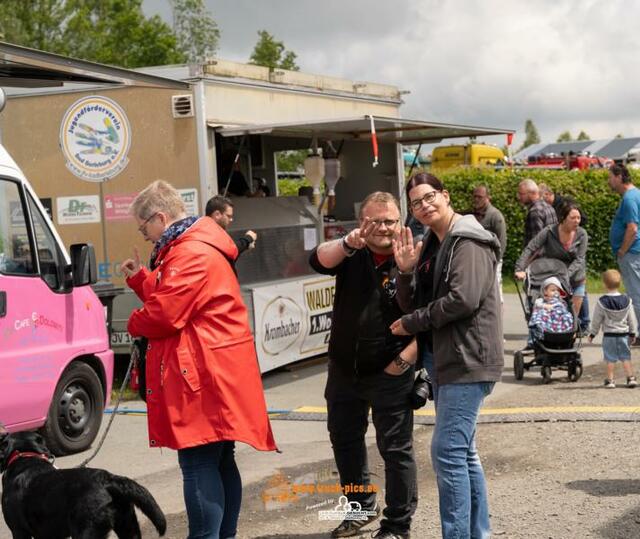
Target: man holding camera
column 369, row 367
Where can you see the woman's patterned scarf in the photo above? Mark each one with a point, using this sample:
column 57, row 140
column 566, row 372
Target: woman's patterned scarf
column 173, row 231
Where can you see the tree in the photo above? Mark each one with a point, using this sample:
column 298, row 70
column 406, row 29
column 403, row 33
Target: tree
column 33, row 23
column 272, row 54
column 196, row 30
column 583, row 136
column 531, row 134
column 291, row 160
column 565, row 136
column 107, row 31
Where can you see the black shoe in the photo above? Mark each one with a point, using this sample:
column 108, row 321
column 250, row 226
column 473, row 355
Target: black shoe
column 386, row 534
column 349, row 528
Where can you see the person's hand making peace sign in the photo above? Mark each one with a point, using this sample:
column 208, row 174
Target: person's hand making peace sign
column 357, row 238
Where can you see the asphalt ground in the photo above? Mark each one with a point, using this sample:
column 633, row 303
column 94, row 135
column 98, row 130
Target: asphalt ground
column 552, row 470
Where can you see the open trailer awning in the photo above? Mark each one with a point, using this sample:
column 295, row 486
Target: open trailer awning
column 387, row 130
column 30, row 68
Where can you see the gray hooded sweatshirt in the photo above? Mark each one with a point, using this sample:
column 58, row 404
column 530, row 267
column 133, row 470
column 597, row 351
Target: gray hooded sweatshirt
column 465, row 316
column 614, row 313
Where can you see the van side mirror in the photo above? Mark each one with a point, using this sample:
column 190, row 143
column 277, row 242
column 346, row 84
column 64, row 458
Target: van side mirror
column 83, row 264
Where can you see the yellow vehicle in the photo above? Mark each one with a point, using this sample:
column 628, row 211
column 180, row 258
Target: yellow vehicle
column 468, row 155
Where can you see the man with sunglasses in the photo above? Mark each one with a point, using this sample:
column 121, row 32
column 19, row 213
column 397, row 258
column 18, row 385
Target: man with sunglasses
column 369, row 368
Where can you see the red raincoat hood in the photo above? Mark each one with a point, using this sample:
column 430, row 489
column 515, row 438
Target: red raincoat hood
column 208, row 231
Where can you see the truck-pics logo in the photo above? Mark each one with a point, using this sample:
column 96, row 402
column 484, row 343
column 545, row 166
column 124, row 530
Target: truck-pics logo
column 95, row 137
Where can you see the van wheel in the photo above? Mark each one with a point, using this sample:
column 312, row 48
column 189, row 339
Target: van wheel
column 76, row 411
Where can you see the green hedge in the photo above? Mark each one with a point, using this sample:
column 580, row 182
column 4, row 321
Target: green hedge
column 588, row 188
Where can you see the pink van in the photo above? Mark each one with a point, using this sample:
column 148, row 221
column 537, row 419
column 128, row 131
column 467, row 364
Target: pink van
column 55, row 363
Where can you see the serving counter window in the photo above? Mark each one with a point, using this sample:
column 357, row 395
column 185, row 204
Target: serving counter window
column 287, row 232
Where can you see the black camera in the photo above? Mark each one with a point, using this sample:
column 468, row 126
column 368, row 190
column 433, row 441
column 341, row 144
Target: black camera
column 422, row 390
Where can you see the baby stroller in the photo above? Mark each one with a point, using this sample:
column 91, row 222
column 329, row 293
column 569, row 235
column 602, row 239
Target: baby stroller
column 552, row 351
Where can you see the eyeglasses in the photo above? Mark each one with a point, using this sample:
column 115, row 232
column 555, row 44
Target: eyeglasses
column 389, row 223
column 428, row 198
column 143, row 227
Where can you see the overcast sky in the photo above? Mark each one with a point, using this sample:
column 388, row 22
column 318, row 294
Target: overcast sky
column 566, row 64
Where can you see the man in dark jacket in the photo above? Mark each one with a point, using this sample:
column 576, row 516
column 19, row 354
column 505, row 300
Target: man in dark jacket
column 220, row 209
column 491, row 219
column 370, row 368
column 539, row 213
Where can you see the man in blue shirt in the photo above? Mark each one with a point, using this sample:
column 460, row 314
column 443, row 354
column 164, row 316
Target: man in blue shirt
column 624, row 235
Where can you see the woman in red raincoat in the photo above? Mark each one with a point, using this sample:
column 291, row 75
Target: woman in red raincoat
column 204, row 390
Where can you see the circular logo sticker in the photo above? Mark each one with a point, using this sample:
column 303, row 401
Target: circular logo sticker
column 281, row 325
column 95, row 137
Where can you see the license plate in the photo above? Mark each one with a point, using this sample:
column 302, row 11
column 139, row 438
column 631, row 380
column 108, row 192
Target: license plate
column 119, row 338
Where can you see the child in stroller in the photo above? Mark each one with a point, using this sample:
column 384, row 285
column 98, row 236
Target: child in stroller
column 553, row 325
column 550, row 311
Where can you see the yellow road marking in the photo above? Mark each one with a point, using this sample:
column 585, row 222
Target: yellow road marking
column 511, row 411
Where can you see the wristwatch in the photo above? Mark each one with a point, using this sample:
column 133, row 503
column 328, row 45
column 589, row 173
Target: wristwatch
column 349, row 251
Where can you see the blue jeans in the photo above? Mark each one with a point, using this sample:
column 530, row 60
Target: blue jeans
column 212, row 490
column 462, row 491
column 629, row 266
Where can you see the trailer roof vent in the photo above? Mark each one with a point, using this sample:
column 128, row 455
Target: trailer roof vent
column 182, row 106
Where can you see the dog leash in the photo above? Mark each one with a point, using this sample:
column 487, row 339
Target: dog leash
column 113, row 414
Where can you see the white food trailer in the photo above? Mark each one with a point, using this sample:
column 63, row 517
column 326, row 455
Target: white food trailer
column 180, row 128
column 291, row 305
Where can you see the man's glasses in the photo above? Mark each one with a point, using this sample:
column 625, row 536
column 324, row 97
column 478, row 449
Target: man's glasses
column 389, row 223
column 428, row 198
column 143, row 227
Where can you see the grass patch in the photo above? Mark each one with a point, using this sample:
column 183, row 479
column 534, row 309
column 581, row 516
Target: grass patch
column 128, row 394
column 119, row 372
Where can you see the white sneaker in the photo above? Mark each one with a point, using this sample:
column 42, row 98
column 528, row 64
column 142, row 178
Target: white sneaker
column 632, row 382
column 609, row 384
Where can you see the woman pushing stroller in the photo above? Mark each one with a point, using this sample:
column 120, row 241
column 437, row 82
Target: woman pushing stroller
column 567, row 242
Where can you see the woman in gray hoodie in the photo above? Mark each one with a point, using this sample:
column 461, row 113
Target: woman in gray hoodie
column 447, row 283
column 567, row 241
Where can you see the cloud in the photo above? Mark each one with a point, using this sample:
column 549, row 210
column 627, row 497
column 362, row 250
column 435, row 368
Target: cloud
column 567, row 64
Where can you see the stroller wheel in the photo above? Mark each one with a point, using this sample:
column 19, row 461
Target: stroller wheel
column 575, row 372
column 546, row 374
column 518, row 365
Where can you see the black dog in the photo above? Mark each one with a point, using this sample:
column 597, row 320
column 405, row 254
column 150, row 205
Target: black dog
column 41, row 501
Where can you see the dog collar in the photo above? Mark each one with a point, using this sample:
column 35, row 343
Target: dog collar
column 24, row 454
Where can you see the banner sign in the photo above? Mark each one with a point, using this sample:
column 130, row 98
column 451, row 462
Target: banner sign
column 292, row 320
column 116, row 207
column 78, row 210
column 190, row 199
